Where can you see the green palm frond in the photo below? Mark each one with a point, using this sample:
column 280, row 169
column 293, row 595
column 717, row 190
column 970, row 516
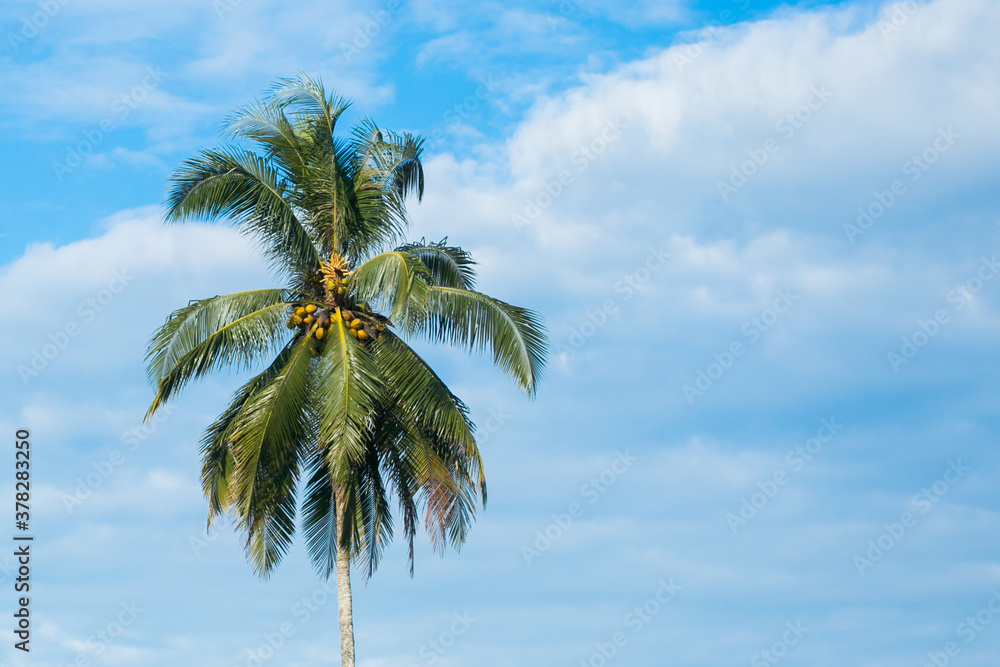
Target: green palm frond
column 402, row 467
column 367, row 524
column 514, row 336
column 444, row 481
column 233, row 330
column 217, row 457
column 450, row 266
column 427, row 402
column 386, row 168
column 368, row 515
column 349, row 388
column 264, row 123
column 367, row 140
column 245, row 188
column 319, row 517
column 370, row 223
column 268, row 440
column 399, row 166
column 396, row 282
column 316, row 113
column 450, row 511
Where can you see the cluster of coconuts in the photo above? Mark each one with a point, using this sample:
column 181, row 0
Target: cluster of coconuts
column 318, row 322
column 310, row 318
column 357, row 328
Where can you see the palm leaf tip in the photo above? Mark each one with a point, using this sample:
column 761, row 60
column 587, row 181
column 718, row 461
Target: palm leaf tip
column 515, row 337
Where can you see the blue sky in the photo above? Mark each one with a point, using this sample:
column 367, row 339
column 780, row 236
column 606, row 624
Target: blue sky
column 763, row 236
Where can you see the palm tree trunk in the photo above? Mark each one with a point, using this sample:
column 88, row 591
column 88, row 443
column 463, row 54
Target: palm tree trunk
column 344, row 593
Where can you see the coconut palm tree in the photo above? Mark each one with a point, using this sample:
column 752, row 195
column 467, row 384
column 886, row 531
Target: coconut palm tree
column 341, row 411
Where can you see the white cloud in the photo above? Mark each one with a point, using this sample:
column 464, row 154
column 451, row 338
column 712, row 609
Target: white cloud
column 878, row 98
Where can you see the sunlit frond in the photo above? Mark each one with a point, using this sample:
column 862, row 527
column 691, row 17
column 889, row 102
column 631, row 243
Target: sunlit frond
column 235, row 330
column 269, row 439
column 237, row 185
column 397, row 283
column 515, row 337
column 449, row 266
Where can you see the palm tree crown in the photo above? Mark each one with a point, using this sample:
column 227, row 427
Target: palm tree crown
column 343, row 403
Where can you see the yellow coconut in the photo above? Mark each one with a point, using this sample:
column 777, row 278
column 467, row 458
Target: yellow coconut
column 307, row 319
column 310, row 308
column 300, row 311
column 363, row 335
column 296, row 320
column 355, row 324
column 320, row 333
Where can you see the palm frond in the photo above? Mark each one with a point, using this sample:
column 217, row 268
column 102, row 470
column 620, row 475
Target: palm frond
column 423, row 397
column 319, row 517
column 264, row 122
column 368, row 515
column 363, row 526
column 399, row 165
column 444, row 482
column 217, row 457
column 232, row 330
column 245, row 188
column 450, row 510
column 396, row 282
column 316, row 112
column 514, row 336
column 450, row 266
column 268, row 440
column 348, row 387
